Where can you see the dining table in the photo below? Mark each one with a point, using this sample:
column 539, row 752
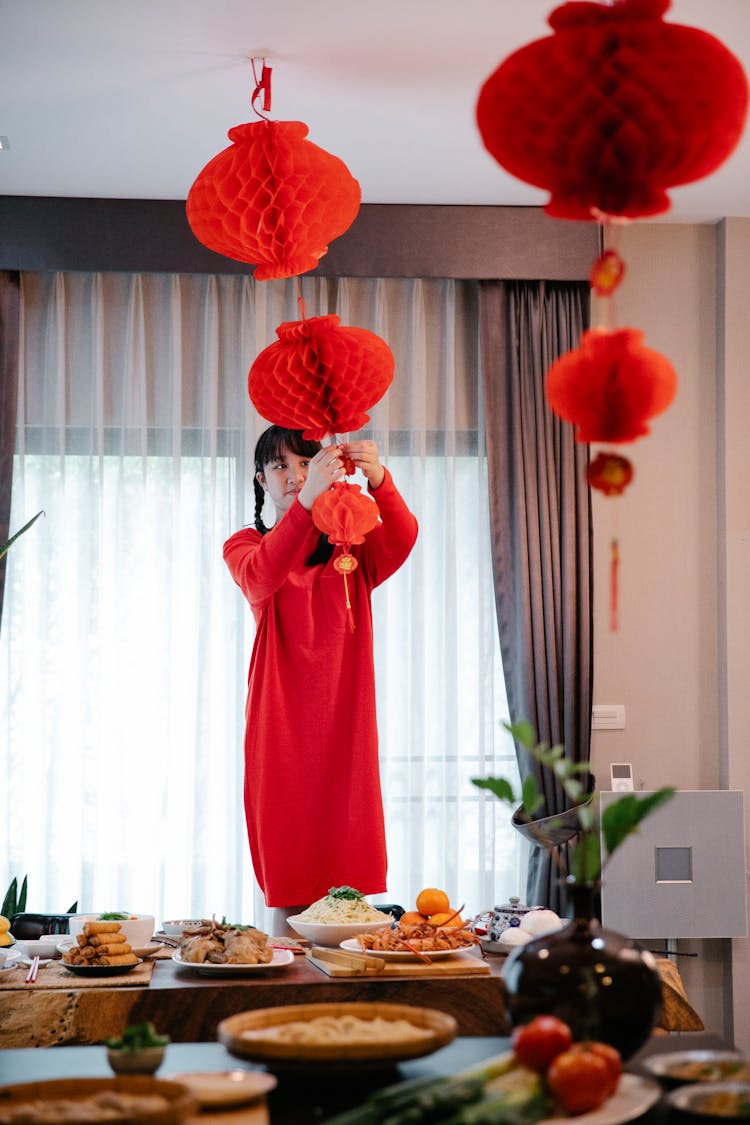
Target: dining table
column 310, row 1095
column 187, row 1003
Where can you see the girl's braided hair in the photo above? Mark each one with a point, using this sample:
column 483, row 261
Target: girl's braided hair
column 271, row 445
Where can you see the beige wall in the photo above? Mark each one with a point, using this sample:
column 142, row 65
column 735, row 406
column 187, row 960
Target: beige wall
column 679, row 659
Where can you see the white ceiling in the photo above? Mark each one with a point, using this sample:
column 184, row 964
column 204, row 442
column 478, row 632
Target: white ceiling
column 130, row 99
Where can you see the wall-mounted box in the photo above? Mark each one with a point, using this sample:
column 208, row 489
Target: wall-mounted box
column 682, row 874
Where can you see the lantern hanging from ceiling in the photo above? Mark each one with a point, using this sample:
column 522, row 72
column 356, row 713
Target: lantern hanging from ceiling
column 320, row 377
column 610, row 385
column 273, row 199
column 345, row 515
column 613, row 109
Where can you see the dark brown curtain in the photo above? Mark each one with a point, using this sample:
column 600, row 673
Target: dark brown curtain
column 9, row 314
column 540, row 517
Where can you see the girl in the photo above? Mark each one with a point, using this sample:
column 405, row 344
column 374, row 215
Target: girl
column 312, row 783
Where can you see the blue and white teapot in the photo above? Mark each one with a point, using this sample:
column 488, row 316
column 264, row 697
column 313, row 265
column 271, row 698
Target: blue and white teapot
column 492, row 923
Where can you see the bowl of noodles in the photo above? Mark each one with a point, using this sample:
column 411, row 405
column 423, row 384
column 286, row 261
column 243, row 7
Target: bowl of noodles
column 342, row 913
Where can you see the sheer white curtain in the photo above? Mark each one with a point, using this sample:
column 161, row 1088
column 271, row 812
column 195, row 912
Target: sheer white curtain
column 125, row 644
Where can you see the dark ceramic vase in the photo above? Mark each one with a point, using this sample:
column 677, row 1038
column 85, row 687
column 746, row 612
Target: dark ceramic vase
column 599, row 982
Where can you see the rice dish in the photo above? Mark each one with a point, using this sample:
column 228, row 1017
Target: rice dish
column 338, row 910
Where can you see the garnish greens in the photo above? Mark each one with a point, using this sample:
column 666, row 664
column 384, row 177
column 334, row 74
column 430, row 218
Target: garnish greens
column 114, row 916
column 345, row 892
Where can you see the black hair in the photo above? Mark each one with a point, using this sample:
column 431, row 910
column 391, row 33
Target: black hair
column 271, row 445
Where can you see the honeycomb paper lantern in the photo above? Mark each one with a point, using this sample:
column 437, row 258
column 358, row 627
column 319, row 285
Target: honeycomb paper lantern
column 610, row 385
column 344, row 514
column 613, row 108
column 273, row 199
column 320, row 377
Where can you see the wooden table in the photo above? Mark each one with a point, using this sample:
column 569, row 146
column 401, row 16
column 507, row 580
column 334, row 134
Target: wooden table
column 299, row 1099
column 189, row 1007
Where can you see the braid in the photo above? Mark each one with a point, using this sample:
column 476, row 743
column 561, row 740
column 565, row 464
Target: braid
column 260, row 497
column 271, row 444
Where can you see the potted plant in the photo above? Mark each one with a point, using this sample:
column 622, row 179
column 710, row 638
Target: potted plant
column 600, row 982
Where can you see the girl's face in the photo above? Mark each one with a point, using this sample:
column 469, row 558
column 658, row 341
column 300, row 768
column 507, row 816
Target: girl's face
column 283, row 478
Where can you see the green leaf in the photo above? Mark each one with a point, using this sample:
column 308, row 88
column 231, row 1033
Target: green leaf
column 623, row 816
column 26, row 526
column 532, row 798
column 522, row 732
column 22, row 898
column 586, row 864
column 10, row 900
column 73, row 909
column 500, row 786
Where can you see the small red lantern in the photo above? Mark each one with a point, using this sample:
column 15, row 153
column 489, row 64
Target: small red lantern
column 610, row 473
column 606, row 273
column 610, row 385
column 319, row 377
column 345, row 515
column 613, row 108
column 273, row 198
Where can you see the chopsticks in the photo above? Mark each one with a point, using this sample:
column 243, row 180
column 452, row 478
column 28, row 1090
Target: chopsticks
column 32, row 974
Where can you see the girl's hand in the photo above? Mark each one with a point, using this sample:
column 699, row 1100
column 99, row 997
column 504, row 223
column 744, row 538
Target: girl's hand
column 323, row 470
column 364, row 454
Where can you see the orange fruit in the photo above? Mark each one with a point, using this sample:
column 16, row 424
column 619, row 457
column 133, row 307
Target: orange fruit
column 411, row 918
column 432, row 901
column 447, row 919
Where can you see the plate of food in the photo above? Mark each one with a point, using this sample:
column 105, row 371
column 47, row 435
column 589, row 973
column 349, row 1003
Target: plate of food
column 216, row 949
column 632, row 1098
column 341, row 914
column 679, row 1068
column 280, row 958
column 302, row 1035
column 352, row 945
column 83, row 970
column 142, row 951
column 709, row 1100
column 426, row 938
column 135, row 1097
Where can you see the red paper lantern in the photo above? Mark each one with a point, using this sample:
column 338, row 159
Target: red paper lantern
column 272, row 198
column 614, row 108
column 319, row 377
column 344, row 514
column 610, row 385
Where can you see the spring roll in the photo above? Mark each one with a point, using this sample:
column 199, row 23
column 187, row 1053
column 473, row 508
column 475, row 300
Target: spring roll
column 110, row 948
column 118, row 959
column 113, row 938
column 90, row 928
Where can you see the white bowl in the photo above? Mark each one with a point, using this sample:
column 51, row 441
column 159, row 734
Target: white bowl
column 331, row 934
column 175, row 927
column 44, row 947
column 138, row 929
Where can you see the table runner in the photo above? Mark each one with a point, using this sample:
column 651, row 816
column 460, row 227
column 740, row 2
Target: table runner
column 54, row 975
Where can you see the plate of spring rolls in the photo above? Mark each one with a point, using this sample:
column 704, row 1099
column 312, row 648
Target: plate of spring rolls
column 100, row 950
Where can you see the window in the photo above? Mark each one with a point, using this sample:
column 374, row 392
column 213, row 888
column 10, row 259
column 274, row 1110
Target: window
column 126, row 644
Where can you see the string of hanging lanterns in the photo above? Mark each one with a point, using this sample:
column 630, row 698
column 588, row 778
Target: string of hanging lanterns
column 275, row 200
column 608, row 113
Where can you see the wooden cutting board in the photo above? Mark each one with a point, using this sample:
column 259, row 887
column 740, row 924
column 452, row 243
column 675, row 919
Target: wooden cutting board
column 339, row 963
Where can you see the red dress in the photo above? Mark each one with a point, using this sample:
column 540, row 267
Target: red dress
column 312, row 779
